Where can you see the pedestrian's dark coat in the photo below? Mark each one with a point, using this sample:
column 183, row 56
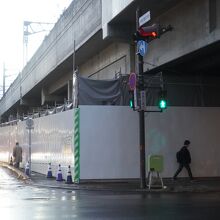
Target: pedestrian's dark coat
column 185, row 157
column 17, row 154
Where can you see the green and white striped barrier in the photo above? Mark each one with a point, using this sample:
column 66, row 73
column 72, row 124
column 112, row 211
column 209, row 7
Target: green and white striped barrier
column 76, row 145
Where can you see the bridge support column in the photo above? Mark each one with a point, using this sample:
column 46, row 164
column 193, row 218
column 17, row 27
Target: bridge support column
column 70, row 90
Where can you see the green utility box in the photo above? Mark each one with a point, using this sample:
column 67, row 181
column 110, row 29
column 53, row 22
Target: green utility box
column 155, row 163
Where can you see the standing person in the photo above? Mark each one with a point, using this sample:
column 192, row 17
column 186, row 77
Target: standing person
column 184, row 159
column 17, row 154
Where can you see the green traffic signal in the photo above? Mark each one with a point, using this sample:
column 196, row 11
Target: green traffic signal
column 131, row 99
column 162, row 104
column 131, row 104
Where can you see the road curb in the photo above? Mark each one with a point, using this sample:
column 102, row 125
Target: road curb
column 99, row 187
column 19, row 173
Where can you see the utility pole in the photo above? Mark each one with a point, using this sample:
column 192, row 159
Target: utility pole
column 144, row 35
column 141, row 114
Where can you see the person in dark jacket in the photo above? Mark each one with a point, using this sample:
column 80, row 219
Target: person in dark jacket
column 17, row 154
column 184, row 159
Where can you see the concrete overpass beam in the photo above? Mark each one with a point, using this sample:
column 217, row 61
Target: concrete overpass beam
column 46, row 97
column 59, row 83
column 113, row 60
column 120, row 32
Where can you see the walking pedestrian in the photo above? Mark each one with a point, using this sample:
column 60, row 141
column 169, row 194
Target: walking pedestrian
column 17, row 154
column 184, row 159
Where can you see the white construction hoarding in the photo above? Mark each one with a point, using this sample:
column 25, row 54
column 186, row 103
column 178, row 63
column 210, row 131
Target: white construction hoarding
column 102, row 142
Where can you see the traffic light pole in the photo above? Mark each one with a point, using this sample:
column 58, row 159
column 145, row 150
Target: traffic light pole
column 141, row 115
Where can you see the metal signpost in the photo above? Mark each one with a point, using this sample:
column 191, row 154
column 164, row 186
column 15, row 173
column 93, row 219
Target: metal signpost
column 143, row 34
column 29, row 123
column 142, row 99
column 141, row 115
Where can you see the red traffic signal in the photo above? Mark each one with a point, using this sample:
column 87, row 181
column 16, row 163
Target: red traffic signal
column 149, row 31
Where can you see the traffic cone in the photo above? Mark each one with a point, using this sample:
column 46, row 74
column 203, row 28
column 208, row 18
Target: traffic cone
column 27, row 169
column 49, row 172
column 69, row 179
column 59, row 174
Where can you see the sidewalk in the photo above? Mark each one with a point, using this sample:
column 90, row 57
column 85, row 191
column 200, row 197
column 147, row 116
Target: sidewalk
column 179, row 186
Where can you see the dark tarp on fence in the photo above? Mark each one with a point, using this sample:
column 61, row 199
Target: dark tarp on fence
column 182, row 90
column 103, row 92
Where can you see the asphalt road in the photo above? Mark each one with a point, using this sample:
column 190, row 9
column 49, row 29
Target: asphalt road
column 20, row 202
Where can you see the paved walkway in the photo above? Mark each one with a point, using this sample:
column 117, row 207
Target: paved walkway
column 180, row 185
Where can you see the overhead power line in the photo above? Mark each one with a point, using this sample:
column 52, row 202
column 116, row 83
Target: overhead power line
column 30, row 28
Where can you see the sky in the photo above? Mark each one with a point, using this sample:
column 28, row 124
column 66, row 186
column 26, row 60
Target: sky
column 13, row 13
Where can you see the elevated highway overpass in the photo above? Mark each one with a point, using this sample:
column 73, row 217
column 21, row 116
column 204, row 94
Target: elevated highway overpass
column 102, row 31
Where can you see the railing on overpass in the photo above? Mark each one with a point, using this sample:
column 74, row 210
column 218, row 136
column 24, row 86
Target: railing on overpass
column 13, row 122
column 40, row 112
